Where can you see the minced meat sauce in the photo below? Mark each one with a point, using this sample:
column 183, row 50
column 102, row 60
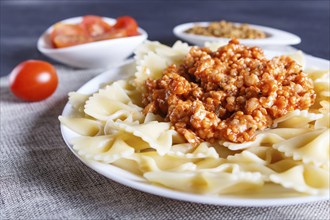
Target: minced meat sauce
column 228, row 94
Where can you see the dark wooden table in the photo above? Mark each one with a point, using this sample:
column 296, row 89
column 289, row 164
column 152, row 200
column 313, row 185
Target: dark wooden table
column 22, row 22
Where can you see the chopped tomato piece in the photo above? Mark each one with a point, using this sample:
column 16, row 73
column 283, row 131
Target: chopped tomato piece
column 66, row 35
column 95, row 26
column 113, row 34
column 128, row 23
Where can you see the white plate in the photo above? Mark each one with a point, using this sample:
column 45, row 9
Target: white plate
column 274, row 36
column 126, row 178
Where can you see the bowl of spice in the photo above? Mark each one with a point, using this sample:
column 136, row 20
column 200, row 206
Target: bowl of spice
column 199, row 33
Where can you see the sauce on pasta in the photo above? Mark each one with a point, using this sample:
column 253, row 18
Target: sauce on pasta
column 228, row 94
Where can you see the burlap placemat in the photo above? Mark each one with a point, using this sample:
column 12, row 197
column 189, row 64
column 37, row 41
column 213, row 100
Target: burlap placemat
column 41, row 178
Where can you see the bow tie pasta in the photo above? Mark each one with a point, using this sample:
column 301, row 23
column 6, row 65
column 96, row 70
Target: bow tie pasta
column 220, row 121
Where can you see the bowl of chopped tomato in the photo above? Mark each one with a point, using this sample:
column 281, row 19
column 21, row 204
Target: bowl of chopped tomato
column 91, row 41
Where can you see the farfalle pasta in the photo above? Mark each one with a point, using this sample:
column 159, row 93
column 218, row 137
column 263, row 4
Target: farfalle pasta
column 288, row 157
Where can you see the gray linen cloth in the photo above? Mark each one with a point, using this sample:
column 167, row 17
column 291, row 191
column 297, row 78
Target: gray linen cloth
column 42, row 179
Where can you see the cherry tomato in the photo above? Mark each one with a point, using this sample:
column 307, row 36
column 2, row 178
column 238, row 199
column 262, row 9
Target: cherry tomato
column 95, row 26
column 66, row 35
column 128, row 23
column 33, row 80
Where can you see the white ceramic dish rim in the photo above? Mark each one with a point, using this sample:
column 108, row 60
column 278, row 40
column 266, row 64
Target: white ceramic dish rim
column 128, row 179
column 276, row 36
column 75, row 20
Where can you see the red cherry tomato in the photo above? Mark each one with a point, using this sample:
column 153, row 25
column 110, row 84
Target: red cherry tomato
column 95, row 26
column 66, row 35
column 128, row 23
column 33, row 80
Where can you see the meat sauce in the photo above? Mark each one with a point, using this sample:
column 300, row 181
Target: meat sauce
column 228, row 94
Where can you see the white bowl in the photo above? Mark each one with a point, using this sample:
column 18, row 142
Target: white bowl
column 274, row 36
column 97, row 54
